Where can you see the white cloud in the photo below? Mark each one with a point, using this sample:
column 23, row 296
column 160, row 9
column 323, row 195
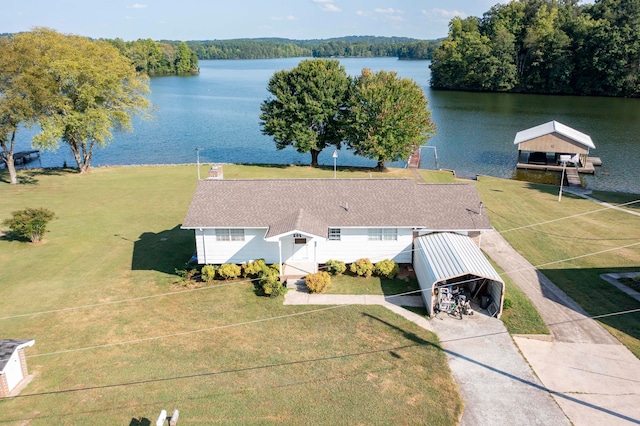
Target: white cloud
column 137, row 6
column 286, row 18
column 443, row 13
column 388, row 11
column 328, row 7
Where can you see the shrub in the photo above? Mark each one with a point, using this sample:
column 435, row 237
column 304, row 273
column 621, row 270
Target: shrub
column 276, row 267
column 30, row 223
column 270, row 283
column 254, row 268
column 208, row 273
column 387, row 269
column 229, row 271
column 335, row 267
column 362, row 267
column 318, row 282
column 186, row 276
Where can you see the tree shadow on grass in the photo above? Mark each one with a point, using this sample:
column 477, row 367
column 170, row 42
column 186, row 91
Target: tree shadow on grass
column 163, row 251
column 30, row 176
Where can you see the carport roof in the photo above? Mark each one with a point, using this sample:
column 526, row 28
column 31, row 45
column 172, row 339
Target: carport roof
column 452, row 255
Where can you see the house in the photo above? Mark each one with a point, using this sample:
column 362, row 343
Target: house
column 540, row 147
column 300, row 223
column 13, row 365
column 309, row 221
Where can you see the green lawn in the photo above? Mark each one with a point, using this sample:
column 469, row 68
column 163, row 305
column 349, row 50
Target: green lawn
column 350, row 284
column 573, row 242
column 218, row 354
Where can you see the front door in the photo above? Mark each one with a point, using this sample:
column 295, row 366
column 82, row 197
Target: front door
column 300, row 249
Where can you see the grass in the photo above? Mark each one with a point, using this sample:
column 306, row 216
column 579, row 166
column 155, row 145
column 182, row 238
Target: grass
column 519, row 315
column 572, row 242
column 350, row 284
column 218, row 354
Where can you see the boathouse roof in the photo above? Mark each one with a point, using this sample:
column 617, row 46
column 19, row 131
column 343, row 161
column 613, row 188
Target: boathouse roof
column 554, row 127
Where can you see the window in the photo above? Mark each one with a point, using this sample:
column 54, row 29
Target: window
column 334, row 234
column 383, row 234
column 229, row 234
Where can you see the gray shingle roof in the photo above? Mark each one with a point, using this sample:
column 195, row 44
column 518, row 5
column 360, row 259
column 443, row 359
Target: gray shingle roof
column 8, row 347
column 314, row 205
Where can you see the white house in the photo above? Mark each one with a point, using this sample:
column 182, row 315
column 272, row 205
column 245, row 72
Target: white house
column 13, row 364
column 309, row 221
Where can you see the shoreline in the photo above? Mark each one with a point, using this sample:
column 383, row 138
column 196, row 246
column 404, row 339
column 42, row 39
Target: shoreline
column 441, row 170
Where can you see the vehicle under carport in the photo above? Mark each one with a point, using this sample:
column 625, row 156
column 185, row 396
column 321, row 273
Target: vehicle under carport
column 453, row 261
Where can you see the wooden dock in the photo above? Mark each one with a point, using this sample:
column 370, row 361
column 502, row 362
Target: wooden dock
column 573, row 178
column 588, row 168
column 414, row 160
column 24, row 157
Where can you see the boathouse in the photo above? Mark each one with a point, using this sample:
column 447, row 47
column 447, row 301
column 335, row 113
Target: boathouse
column 540, row 148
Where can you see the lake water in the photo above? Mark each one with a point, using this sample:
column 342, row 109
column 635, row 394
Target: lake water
column 217, row 111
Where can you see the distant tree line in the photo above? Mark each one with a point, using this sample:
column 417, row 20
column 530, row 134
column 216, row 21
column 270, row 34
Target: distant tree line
column 355, row 46
column 158, row 58
column 544, row 46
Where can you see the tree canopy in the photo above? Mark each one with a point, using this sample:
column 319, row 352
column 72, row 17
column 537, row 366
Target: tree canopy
column 91, row 89
column 354, row 46
column 303, row 108
column 544, row 46
column 24, row 94
column 387, row 117
column 158, row 58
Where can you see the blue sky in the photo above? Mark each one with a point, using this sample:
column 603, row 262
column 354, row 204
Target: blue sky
column 225, row 19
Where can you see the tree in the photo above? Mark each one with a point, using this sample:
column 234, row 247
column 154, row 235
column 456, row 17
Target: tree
column 93, row 90
column 23, row 93
column 29, row 223
column 304, row 107
column 387, row 117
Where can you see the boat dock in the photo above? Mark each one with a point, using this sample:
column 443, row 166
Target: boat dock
column 588, row 168
column 414, row 160
column 21, row 158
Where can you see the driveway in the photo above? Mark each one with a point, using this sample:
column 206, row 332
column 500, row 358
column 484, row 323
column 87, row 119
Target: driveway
column 594, row 378
column 495, row 381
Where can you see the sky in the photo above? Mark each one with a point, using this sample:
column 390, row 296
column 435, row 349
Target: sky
column 227, row 19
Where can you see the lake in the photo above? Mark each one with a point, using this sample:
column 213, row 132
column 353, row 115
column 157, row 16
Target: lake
column 217, row 111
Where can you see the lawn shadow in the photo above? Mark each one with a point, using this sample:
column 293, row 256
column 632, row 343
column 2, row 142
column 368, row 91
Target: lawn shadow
column 163, row 251
column 30, row 176
column 595, row 296
column 142, row 421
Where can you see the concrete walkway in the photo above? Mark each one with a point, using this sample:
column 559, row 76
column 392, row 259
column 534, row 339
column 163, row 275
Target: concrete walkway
column 494, row 379
column 594, row 378
column 613, row 280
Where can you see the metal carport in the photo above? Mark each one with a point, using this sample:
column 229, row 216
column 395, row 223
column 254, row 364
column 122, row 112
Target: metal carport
column 445, row 259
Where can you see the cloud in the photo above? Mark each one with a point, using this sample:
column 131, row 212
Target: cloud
column 330, row 8
column 137, row 6
column 388, row 11
column 443, row 13
column 327, row 6
column 286, row 18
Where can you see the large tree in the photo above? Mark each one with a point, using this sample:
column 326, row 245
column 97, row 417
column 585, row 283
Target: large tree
column 304, row 107
column 387, row 117
column 93, row 90
column 23, row 93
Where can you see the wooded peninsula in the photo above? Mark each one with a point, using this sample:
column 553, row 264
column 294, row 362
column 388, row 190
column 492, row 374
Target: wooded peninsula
column 544, row 46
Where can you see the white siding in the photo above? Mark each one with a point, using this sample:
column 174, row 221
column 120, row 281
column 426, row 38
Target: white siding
column 354, row 244
column 13, row 371
column 253, row 247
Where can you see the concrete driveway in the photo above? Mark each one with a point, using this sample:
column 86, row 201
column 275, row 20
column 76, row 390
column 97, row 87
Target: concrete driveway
column 495, row 381
column 594, row 378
